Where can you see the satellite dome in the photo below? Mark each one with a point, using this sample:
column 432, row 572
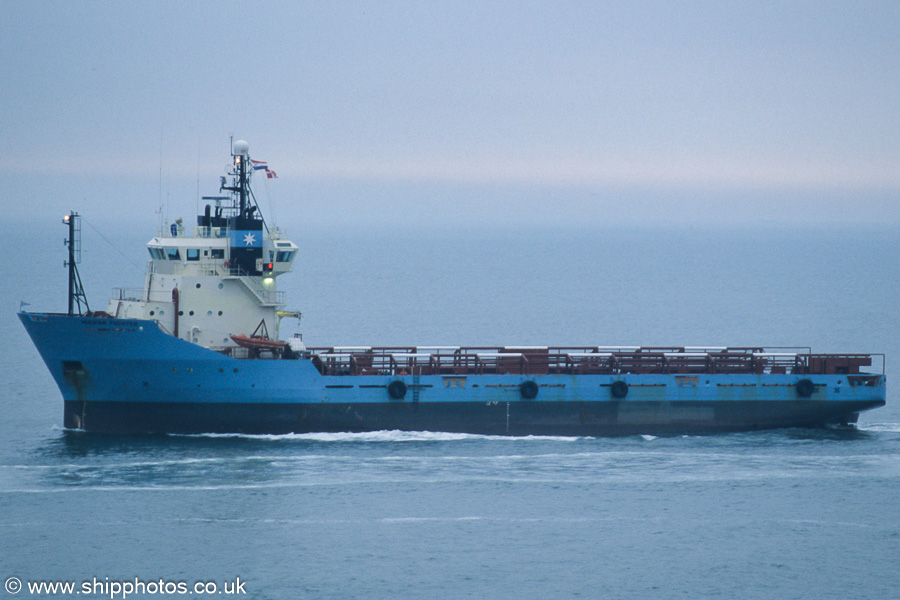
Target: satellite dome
column 241, row 148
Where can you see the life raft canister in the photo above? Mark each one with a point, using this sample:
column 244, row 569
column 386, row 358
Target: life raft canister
column 529, row 390
column 618, row 389
column 805, row 388
column 397, row 389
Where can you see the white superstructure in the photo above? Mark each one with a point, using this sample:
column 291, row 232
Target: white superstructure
column 218, row 280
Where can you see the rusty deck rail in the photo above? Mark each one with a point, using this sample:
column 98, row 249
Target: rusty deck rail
column 582, row 360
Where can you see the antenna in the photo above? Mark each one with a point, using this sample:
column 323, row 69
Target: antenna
column 73, row 242
column 160, row 223
column 198, row 179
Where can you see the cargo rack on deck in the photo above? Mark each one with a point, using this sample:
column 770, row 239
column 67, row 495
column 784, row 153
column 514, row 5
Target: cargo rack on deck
column 584, row 360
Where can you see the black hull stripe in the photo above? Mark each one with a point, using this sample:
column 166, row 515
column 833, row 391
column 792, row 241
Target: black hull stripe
column 496, row 418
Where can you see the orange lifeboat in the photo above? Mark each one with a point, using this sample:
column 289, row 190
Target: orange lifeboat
column 259, row 343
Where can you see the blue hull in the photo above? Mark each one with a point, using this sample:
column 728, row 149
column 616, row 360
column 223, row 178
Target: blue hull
column 127, row 376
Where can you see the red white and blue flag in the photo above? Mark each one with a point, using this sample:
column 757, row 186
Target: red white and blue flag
column 261, row 165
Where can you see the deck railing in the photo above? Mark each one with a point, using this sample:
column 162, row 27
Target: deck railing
column 597, row 360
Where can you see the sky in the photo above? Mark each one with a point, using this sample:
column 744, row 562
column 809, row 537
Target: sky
column 438, row 114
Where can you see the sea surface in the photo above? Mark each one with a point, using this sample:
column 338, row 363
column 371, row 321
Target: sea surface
column 421, row 515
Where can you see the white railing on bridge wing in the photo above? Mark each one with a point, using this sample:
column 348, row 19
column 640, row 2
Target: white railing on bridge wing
column 128, row 294
column 139, row 295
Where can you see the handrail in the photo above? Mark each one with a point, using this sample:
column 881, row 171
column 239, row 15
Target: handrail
column 399, row 360
column 263, row 295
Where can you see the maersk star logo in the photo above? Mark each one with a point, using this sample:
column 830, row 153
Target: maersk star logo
column 249, row 239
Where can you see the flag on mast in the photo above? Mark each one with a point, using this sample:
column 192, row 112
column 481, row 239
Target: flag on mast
column 261, row 165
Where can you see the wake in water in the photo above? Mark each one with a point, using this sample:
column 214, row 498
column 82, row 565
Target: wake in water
column 880, row 427
column 378, row 436
column 437, row 436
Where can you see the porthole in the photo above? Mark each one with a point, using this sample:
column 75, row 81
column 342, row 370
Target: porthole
column 191, row 313
column 198, row 286
column 209, row 313
column 180, row 313
column 235, row 370
column 220, row 313
column 221, row 285
column 221, row 370
column 151, row 313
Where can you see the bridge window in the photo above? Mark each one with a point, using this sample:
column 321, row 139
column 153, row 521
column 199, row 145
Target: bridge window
column 193, row 254
column 173, row 254
column 218, row 253
column 285, row 255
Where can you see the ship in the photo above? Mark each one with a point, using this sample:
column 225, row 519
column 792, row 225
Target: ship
column 198, row 349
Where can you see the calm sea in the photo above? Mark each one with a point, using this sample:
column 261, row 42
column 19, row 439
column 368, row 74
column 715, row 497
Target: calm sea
column 786, row 514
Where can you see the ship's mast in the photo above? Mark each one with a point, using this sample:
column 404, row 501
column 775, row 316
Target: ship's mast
column 242, row 179
column 241, row 183
column 245, row 224
column 73, row 242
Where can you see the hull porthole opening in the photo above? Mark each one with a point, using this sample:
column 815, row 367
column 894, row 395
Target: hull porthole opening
column 805, row 388
column 529, row 390
column 619, row 389
column 397, row 390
